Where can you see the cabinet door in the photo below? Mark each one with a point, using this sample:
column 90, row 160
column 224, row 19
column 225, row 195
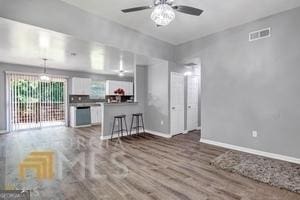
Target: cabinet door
column 75, row 86
column 107, row 88
column 99, row 114
column 130, row 88
column 80, row 83
column 81, row 86
column 87, row 86
column 94, row 114
column 113, row 87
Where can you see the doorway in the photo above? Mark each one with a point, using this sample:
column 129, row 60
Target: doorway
column 33, row 103
column 177, row 103
column 192, row 102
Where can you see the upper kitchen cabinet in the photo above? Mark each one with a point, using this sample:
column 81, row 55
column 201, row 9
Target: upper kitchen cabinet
column 112, row 86
column 81, row 86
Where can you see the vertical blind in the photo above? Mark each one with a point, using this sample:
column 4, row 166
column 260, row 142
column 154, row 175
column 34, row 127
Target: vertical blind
column 34, row 103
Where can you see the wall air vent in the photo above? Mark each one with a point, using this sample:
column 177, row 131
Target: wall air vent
column 260, row 34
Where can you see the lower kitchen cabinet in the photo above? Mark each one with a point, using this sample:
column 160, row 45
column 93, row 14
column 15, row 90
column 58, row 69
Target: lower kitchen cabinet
column 96, row 114
column 85, row 116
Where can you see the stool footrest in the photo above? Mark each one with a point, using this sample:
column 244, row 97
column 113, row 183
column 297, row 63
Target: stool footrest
column 119, row 131
column 137, row 127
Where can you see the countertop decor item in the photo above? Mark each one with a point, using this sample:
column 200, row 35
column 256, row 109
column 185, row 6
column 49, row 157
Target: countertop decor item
column 119, row 91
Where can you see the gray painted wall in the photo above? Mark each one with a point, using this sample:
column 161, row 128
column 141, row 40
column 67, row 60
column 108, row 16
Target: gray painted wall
column 64, row 18
column 157, row 105
column 28, row 69
column 140, row 86
column 250, row 86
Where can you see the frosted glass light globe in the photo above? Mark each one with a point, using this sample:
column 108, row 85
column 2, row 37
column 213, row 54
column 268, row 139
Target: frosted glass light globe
column 163, row 14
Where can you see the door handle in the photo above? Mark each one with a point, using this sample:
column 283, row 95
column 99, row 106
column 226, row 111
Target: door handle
column 189, row 106
column 173, row 108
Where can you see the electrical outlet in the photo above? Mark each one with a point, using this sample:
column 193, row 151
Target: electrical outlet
column 162, row 122
column 254, row 134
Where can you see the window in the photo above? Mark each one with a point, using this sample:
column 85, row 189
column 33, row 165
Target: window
column 97, row 90
column 34, row 103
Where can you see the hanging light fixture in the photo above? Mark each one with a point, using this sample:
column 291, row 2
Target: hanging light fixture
column 44, row 76
column 163, row 14
column 121, row 71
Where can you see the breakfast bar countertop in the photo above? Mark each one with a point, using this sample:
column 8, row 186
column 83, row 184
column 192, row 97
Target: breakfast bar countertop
column 119, row 104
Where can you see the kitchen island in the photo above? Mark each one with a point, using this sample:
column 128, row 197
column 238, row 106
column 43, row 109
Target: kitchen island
column 109, row 110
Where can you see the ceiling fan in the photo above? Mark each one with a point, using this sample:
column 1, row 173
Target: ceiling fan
column 163, row 11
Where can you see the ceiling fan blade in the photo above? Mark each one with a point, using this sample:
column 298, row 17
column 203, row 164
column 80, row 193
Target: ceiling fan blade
column 188, row 10
column 136, row 9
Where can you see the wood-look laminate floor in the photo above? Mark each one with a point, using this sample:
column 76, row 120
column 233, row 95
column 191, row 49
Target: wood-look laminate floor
column 140, row 167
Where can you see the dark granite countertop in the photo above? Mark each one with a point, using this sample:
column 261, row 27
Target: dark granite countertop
column 85, row 104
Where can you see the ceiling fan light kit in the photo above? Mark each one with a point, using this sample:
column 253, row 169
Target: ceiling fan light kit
column 164, row 11
column 163, row 14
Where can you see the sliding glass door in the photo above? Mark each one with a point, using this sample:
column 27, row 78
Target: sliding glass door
column 33, row 103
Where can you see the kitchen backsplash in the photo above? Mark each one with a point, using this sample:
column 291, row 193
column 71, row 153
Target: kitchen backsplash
column 83, row 99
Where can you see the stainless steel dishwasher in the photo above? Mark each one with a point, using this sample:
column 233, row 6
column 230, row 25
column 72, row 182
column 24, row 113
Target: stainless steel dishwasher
column 83, row 116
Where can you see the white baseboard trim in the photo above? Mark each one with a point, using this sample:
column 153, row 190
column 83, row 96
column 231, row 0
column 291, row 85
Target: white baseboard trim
column 252, row 151
column 158, row 134
column 199, row 128
column 3, row 132
column 185, row 131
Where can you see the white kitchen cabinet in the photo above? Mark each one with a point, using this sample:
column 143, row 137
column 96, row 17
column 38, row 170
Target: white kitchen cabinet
column 73, row 116
column 111, row 86
column 129, row 89
column 96, row 114
column 81, row 86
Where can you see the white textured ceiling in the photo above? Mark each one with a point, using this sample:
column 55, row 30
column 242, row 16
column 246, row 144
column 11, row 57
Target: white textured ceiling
column 218, row 15
column 27, row 45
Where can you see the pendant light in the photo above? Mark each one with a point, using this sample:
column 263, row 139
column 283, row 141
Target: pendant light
column 44, row 76
column 121, row 71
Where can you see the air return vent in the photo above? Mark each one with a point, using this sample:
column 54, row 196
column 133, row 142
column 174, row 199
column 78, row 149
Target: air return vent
column 260, row 34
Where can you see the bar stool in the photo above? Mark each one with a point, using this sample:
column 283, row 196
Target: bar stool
column 138, row 117
column 119, row 119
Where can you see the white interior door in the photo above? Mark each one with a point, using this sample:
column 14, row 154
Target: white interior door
column 192, row 102
column 177, row 103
